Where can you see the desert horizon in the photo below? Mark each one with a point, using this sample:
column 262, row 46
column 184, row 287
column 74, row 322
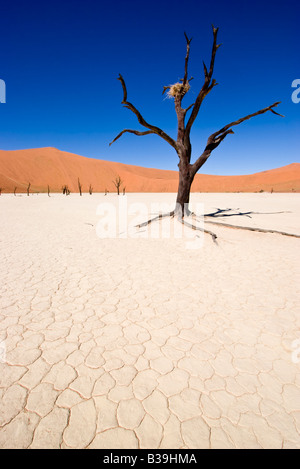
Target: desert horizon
column 49, row 166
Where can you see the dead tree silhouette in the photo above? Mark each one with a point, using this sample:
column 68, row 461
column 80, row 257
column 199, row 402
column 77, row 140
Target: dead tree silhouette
column 182, row 145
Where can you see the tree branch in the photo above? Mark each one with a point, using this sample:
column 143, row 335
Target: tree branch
column 208, row 82
column 188, row 41
column 135, row 132
column 189, row 107
column 217, row 137
column 142, row 121
column 165, row 89
column 239, row 121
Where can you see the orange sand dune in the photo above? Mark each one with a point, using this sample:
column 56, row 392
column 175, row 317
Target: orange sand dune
column 49, row 166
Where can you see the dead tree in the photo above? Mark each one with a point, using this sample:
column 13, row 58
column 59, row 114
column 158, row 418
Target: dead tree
column 124, row 190
column 79, row 187
column 15, row 189
column 0, row 190
column 66, row 190
column 118, row 182
column 28, row 188
column 90, row 189
column 182, row 145
column 48, row 190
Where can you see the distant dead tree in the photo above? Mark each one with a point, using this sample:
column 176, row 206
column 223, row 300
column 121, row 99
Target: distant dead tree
column 124, row 190
column 48, row 190
column 15, row 189
column 79, row 187
column 28, row 188
column 182, row 145
column 90, row 189
column 0, row 190
column 106, row 191
column 65, row 190
column 118, row 182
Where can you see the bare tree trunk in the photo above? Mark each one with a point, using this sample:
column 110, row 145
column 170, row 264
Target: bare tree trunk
column 184, row 188
column 79, row 187
column 28, row 188
column 66, row 190
column 183, row 196
column 15, row 190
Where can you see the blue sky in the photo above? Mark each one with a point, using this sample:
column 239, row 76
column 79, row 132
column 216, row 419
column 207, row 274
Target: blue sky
column 60, row 61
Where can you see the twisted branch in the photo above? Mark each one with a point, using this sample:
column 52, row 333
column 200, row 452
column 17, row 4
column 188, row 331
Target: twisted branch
column 188, row 41
column 239, row 121
column 152, row 128
column 135, row 132
column 217, row 137
column 208, row 84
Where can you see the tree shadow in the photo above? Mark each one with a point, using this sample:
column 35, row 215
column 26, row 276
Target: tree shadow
column 230, row 212
column 220, row 213
column 233, row 212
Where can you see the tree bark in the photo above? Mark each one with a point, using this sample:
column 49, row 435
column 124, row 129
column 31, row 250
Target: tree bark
column 186, row 178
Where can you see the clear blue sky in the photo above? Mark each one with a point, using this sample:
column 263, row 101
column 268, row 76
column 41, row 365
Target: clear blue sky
column 61, row 59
